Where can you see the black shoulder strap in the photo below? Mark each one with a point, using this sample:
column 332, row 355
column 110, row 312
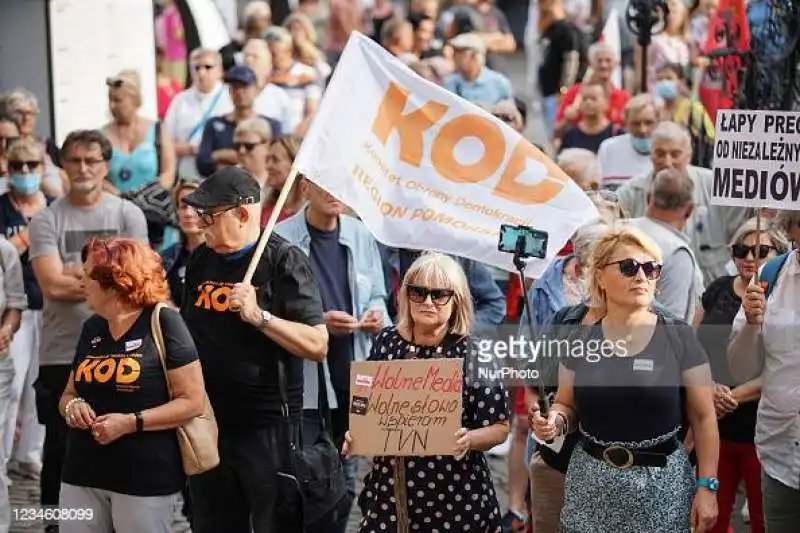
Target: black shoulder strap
column 157, row 143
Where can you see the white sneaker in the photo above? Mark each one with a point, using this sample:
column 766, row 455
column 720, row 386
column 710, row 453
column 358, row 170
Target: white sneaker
column 745, row 513
column 502, row 449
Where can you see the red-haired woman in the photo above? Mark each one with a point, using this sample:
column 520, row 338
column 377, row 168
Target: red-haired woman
column 123, row 460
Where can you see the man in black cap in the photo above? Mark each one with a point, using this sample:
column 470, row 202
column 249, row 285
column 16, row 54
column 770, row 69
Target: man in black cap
column 241, row 332
column 216, row 149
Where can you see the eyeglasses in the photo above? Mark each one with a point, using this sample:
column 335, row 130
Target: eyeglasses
column 207, row 218
column 418, row 295
column 6, row 142
column 741, row 251
column 80, row 161
column 19, row 166
column 198, row 68
column 248, row 147
column 630, row 267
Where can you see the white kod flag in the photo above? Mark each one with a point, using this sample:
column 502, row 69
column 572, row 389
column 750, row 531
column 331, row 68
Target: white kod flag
column 427, row 170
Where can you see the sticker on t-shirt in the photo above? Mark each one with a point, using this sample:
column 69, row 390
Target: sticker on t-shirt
column 359, row 405
column 95, row 341
column 132, row 345
column 364, row 380
column 642, row 365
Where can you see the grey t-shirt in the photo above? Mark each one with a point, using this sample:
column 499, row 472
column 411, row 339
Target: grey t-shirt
column 63, row 228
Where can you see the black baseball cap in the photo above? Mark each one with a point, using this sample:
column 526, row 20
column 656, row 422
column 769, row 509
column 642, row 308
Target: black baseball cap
column 227, row 186
column 241, row 74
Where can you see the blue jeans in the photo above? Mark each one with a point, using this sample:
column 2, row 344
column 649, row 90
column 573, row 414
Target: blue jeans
column 549, row 112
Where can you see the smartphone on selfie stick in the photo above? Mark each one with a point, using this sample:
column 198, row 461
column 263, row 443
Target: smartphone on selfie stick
column 525, row 243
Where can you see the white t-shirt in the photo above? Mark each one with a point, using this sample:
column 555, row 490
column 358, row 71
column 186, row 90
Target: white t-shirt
column 274, row 102
column 619, row 162
column 185, row 113
column 302, row 85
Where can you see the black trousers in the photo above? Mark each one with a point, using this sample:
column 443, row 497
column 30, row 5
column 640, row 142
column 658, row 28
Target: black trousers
column 246, row 492
column 49, row 387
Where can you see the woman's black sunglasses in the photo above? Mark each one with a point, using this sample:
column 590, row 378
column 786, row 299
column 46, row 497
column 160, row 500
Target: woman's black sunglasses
column 630, row 267
column 741, row 251
column 418, row 295
column 19, row 166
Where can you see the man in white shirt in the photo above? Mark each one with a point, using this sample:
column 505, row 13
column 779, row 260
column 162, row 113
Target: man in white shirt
column 191, row 109
column 272, row 101
column 628, row 155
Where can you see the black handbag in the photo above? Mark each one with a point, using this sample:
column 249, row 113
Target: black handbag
column 315, row 489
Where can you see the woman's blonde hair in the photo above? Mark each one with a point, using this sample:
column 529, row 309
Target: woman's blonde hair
column 305, row 51
column 439, row 271
column 775, row 233
column 603, row 252
column 292, row 145
column 25, row 146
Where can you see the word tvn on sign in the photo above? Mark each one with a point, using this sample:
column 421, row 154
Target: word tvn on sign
column 411, row 127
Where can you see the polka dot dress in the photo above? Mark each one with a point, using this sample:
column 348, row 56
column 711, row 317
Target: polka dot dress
column 442, row 493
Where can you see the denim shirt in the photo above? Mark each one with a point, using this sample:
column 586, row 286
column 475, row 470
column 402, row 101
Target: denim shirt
column 367, row 289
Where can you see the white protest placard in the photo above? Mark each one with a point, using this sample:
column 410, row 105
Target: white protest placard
column 757, row 159
column 427, row 170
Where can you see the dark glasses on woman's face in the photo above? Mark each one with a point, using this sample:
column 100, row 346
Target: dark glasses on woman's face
column 19, row 166
column 630, row 267
column 198, row 68
column 741, row 251
column 248, row 147
column 419, row 294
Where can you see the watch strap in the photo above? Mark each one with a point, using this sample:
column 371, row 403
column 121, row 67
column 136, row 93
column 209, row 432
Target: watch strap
column 139, row 422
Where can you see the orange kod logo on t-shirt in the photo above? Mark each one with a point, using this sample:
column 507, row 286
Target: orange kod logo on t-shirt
column 214, row 296
column 124, row 369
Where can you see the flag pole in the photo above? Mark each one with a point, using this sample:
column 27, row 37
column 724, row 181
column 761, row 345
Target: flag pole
column 273, row 220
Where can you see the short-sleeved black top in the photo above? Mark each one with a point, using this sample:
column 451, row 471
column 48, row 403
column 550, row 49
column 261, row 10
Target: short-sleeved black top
column 240, row 363
column 720, row 305
column 125, row 376
column 635, row 398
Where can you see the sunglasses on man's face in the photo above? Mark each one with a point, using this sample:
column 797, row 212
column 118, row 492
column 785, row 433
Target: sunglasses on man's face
column 19, row 166
column 741, row 251
column 419, row 294
column 207, row 218
column 630, row 267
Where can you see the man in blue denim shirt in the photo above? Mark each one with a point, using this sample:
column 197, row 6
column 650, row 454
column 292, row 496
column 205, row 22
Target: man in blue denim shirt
column 347, row 267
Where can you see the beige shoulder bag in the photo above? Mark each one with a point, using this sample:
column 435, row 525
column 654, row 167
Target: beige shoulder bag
column 197, row 438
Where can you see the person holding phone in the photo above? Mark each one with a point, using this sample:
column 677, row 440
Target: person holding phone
column 347, row 268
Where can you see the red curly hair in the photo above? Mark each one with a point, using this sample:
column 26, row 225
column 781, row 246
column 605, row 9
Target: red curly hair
column 130, row 268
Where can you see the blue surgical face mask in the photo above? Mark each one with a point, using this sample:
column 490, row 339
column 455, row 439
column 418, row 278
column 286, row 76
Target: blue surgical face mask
column 641, row 144
column 25, row 183
column 667, row 89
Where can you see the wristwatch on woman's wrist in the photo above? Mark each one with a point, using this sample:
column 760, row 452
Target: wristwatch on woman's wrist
column 266, row 318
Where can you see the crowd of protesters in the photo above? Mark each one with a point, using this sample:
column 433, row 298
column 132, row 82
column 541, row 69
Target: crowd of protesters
column 90, row 397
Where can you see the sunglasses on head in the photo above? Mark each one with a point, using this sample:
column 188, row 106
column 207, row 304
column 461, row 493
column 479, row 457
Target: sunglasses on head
column 248, row 147
column 741, row 251
column 19, row 166
column 419, row 294
column 630, row 267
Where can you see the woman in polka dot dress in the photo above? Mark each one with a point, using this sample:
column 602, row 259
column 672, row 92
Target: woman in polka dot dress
column 438, row 493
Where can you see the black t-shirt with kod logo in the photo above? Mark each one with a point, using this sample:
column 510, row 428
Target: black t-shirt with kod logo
column 125, row 376
column 240, row 363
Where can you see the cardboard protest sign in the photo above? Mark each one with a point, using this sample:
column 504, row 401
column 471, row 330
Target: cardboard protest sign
column 757, row 159
column 426, row 170
column 407, row 407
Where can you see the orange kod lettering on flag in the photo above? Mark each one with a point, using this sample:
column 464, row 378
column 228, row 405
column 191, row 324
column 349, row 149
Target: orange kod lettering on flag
column 411, row 127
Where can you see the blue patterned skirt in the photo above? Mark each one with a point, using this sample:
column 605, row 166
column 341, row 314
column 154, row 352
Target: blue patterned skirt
column 602, row 499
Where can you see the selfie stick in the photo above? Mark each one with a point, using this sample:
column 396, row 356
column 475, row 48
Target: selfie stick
column 519, row 263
